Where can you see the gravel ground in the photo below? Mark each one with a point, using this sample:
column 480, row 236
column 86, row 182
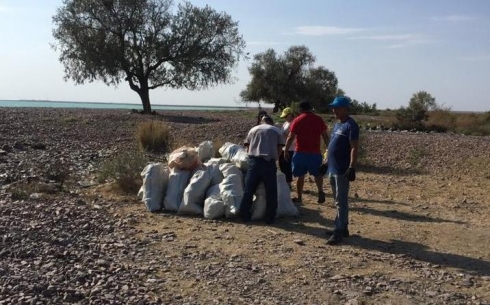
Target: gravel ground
column 67, row 247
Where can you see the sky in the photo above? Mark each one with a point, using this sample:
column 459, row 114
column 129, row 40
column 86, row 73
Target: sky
column 382, row 51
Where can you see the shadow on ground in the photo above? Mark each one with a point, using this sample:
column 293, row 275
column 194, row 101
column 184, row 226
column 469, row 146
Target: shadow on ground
column 402, row 215
column 381, row 201
column 422, row 253
column 186, row 119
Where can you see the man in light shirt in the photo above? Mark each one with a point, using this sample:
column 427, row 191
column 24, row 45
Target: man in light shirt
column 264, row 144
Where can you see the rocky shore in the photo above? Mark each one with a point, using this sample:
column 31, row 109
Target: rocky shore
column 81, row 245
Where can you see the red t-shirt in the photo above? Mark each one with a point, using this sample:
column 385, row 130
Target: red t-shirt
column 308, row 128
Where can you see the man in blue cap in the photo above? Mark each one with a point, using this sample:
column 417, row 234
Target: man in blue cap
column 342, row 158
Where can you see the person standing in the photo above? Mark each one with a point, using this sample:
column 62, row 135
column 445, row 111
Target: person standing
column 342, row 159
column 260, row 115
column 308, row 129
column 264, row 143
column 286, row 165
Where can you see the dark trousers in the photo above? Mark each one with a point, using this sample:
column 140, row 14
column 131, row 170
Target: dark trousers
column 287, row 166
column 260, row 170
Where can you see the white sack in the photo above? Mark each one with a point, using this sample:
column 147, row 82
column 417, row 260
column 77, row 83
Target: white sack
column 228, row 150
column 260, row 203
column 285, row 206
column 193, row 198
column 216, row 161
column 240, row 159
column 231, row 191
column 214, row 207
column 215, row 174
column 155, row 179
column 205, row 150
column 230, row 169
column 177, row 182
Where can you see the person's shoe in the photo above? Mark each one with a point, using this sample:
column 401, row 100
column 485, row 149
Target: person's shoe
column 321, row 197
column 270, row 221
column 344, row 233
column 246, row 218
column 334, row 239
column 297, row 200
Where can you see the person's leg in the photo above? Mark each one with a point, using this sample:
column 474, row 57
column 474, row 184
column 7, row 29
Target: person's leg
column 270, row 183
column 340, row 189
column 252, row 180
column 313, row 163
column 299, row 170
column 319, row 185
column 289, row 169
column 342, row 219
column 299, row 187
column 333, row 184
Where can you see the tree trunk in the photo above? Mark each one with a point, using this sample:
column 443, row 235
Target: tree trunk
column 277, row 106
column 145, row 100
column 143, row 91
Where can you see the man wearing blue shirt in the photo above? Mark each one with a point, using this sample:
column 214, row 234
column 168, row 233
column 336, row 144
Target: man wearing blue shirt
column 342, row 158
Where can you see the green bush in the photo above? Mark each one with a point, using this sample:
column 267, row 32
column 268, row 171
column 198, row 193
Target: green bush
column 125, row 170
column 363, row 108
column 416, row 156
column 416, row 113
column 154, row 136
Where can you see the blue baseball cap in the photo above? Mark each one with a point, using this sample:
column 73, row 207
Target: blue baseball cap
column 340, row 101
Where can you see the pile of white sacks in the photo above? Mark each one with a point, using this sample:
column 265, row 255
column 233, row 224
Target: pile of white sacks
column 195, row 183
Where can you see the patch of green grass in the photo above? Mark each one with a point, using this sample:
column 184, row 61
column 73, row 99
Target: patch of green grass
column 125, row 170
column 416, row 155
column 68, row 120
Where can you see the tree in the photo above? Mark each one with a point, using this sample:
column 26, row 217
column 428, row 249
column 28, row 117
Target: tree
column 283, row 79
column 319, row 87
column 363, row 108
column 416, row 112
column 147, row 44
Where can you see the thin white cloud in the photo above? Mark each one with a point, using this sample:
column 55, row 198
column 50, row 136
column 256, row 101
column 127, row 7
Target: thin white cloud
column 324, row 30
column 398, row 40
column 264, row 43
column 478, row 57
column 412, row 42
column 452, row 18
column 385, row 37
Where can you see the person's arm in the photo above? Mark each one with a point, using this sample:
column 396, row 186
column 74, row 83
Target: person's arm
column 325, row 137
column 354, row 152
column 246, row 143
column 280, row 143
column 289, row 141
column 279, row 150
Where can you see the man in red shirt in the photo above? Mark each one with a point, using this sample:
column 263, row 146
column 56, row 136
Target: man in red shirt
column 308, row 129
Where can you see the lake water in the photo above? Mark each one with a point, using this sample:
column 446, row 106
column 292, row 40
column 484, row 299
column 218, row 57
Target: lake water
column 56, row 104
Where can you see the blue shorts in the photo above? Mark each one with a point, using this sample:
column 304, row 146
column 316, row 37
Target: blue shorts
column 306, row 163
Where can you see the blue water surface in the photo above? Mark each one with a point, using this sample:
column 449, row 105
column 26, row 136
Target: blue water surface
column 56, row 104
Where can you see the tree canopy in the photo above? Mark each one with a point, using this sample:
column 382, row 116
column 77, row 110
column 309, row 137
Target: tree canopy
column 290, row 77
column 147, row 43
column 416, row 112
